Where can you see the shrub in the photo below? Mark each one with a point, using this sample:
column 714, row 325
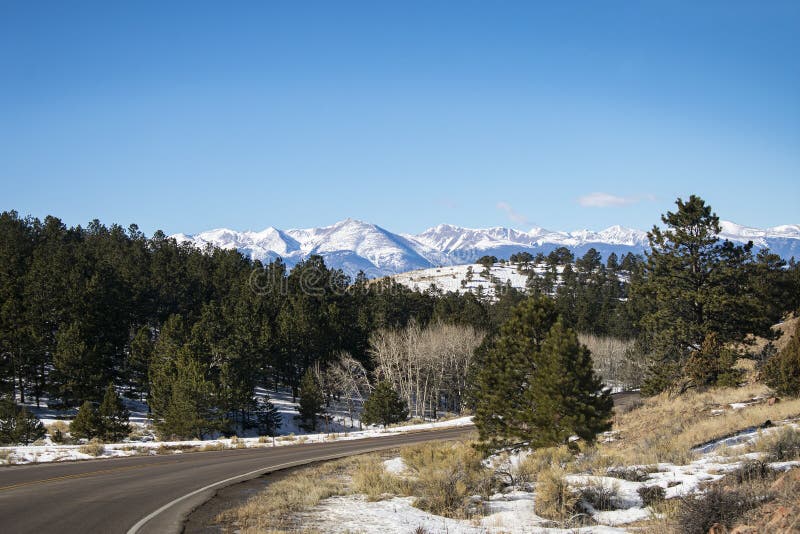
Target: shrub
column 58, row 431
column 782, row 445
column 446, row 475
column 631, row 474
column 555, row 499
column 599, row 494
column 651, row 495
column 93, row 448
column 216, row 446
column 716, row 505
column 751, row 471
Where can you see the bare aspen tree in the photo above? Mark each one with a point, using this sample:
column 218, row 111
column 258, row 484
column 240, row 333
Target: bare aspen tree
column 427, row 367
column 349, row 380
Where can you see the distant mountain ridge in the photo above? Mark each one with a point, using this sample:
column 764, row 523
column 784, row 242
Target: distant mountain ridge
column 353, row 245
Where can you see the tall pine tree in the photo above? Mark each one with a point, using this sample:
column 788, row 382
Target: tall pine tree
column 534, row 383
column 312, row 401
column 693, row 286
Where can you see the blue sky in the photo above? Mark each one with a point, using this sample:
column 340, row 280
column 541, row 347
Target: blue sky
column 407, row 114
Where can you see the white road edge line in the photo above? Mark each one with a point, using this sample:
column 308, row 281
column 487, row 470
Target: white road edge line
column 139, row 524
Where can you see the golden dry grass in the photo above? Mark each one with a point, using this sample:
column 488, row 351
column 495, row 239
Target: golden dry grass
column 665, row 429
column 554, row 498
column 371, row 479
column 442, row 476
column 276, row 508
column 93, row 448
column 445, row 475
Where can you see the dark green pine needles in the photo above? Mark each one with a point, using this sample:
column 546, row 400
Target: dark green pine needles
column 535, row 384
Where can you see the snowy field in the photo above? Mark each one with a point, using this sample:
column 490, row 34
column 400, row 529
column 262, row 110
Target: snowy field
column 339, row 427
column 454, row 278
column 512, row 511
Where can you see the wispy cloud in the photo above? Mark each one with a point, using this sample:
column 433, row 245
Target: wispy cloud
column 513, row 214
column 607, row 200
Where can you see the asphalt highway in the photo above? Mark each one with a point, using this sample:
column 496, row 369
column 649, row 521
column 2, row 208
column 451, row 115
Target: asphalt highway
column 154, row 494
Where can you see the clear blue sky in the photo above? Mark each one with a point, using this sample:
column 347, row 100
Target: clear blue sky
column 406, row 114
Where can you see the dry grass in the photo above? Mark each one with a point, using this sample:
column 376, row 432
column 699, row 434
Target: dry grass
column 58, row 431
column 445, row 475
column 277, row 507
column 780, row 445
column 652, row 495
column 172, row 449
column 371, row 478
column 540, row 460
column 441, row 475
column 665, row 429
column 555, row 499
column 664, row 519
column 93, row 448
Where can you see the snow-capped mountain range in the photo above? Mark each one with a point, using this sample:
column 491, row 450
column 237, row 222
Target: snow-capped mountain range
column 354, row 246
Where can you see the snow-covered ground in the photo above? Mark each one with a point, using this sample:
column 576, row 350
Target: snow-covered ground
column 454, row 278
column 340, row 427
column 512, row 511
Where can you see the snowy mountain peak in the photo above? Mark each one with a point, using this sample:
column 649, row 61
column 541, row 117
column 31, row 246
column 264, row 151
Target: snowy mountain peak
column 791, row 231
column 354, row 245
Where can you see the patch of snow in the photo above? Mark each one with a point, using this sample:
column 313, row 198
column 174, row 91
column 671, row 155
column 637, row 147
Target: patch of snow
column 395, row 466
column 511, row 513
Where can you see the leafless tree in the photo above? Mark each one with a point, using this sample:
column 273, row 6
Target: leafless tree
column 427, row 367
column 348, row 380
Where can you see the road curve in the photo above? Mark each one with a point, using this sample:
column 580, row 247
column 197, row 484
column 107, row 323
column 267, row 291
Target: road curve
column 154, row 494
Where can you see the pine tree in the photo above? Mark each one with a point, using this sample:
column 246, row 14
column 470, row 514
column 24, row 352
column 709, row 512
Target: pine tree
column 535, row 384
column 86, row 423
column 612, row 263
column 191, row 411
column 162, row 370
column 28, row 427
column 141, row 353
column 384, row 406
column 712, row 364
column 17, row 424
column 268, row 418
column 72, row 369
column 694, row 285
column 312, row 401
column 113, row 416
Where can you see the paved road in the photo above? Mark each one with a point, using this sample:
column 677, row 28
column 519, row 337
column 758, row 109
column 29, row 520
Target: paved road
column 152, row 494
